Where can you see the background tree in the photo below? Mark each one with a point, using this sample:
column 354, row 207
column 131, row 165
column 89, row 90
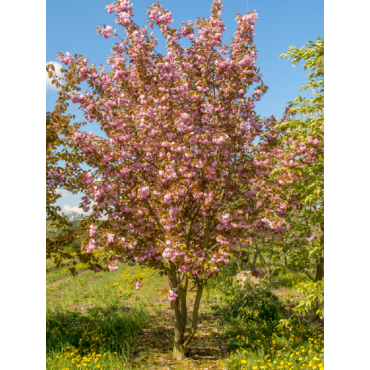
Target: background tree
column 59, row 229
column 179, row 179
column 304, row 243
column 62, row 168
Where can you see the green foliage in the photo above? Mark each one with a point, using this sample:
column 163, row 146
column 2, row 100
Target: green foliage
column 55, row 228
column 309, row 121
column 313, row 56
column 251, row 303
column 307, row 124
column 314, row 291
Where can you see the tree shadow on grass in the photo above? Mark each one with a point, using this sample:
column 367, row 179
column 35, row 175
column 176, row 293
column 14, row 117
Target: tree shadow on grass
column 98, row 329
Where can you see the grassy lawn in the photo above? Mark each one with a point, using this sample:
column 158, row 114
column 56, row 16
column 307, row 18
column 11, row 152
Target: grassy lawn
column 99, row 321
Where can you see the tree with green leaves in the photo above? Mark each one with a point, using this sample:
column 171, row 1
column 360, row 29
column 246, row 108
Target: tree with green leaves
column 304, row 244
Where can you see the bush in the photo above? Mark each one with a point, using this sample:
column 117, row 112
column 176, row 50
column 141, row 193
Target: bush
column 253, row 302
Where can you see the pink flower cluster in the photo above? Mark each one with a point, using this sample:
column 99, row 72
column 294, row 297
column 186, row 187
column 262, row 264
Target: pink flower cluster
column 107, row 31
column 138, row 286
column 312, row 141
column 67, row 59
column 172, row 296
column 93, row 230
column 91, row 246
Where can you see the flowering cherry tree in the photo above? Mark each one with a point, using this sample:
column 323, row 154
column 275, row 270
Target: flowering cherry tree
column 188, row 173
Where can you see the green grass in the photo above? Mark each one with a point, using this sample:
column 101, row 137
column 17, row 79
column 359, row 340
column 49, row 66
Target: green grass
column 97, row 321
column 93, row 319
column 97, row 336
column 260, row 345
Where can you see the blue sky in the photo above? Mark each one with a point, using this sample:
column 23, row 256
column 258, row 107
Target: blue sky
column 70, row 26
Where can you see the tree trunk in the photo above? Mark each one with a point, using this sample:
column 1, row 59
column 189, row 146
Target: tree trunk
column 253, row 264
column 239, row 263
column 180, row 314
column 178, row 345
column 319, row 269
column 194, row 325
column 178, row 348
column 183, row 290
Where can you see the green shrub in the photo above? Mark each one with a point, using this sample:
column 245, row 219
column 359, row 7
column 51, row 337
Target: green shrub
column 253, row 302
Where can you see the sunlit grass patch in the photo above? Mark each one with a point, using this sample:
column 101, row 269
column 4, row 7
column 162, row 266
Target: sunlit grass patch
column 88, row 336
column 93, row 319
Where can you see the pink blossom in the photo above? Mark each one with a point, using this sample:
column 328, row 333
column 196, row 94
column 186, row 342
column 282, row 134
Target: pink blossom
column 184, row 268
column 311, row 238
column 225, row 218
column 106, row 32
column 89, row 178
column 124, row 19
column 92, row 230
column 167, row 253
column 208, row 272
column 113, row 267
column 168, row 198
column 138, row 286
column 256, row 272
column 172, row 296
column 220, row 140
column 67, row 59
column 144, row 192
